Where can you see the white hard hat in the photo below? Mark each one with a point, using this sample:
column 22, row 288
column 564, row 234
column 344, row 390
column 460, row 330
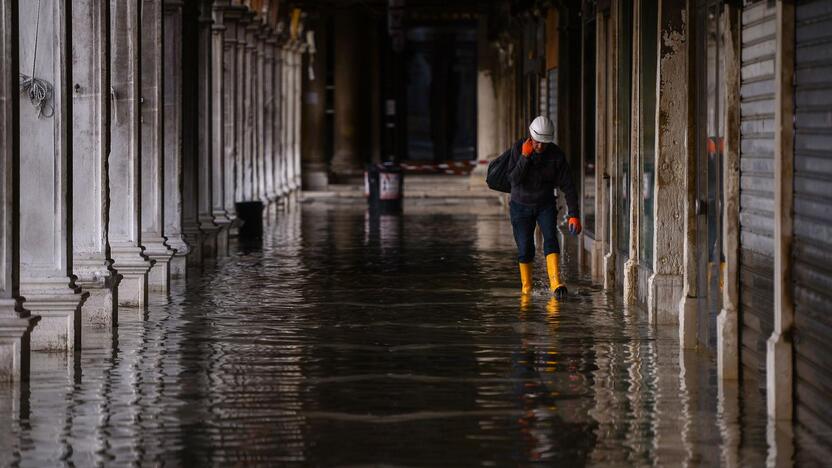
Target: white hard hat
column 542, row 130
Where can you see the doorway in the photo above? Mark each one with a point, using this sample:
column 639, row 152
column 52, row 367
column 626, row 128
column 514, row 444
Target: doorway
column 710, row 106
column 440, row 94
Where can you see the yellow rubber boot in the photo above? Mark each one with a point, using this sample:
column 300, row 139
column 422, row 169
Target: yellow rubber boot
column 554, row 276
column 526, row 278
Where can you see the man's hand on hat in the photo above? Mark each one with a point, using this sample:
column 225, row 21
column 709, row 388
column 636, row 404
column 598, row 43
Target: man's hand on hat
column 528, row 148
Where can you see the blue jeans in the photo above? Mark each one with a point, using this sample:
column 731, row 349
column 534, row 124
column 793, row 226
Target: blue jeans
column 523, row 220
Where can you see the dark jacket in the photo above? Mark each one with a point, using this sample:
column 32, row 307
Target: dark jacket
column 534, row 179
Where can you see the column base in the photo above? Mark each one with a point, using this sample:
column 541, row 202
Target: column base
column 132, row 292
column 209, row 238
column 688, row 309
column 133, row 267
column 178, row 266
column 59, row 308
column 158, row 277
column 664, row 292
column 101, row 307
column 15, row 336
column 727, row 344
column 630, row 280
column 193, row 236
column 96, row 277
column 779, row 377
column 178, row 262
column 319, row 179
column 609, row 271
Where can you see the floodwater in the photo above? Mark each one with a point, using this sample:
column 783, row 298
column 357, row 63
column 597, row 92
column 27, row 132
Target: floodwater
column 347, row 339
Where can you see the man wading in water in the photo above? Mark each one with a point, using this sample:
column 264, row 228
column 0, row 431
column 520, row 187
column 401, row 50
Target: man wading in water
column 539, row 168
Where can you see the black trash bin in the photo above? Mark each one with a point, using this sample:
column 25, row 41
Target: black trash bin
column 251, row 215
column 384, row 187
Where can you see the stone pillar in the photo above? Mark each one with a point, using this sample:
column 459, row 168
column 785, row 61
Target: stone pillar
column 218, row 116
column 124, row 163
column 260, row 104
column 90, row 149
column 277, row 85
column 313, row 115
column 249, row 174
column 727, row 322
column 172, row 83
column 289, row 103
column 45, row 204
column 347, row 158
column 152, row 150
column 241, row 110
column 231, row 110
column 603, row 143
column 674, row 114
column 297, row 75
column 631, row 265
column 614, row 182
column 15, row 322
column 268, row 115
column 779, row 348
column 190, row 135
column 284, row 120
column 689, row 303
column 205, row 95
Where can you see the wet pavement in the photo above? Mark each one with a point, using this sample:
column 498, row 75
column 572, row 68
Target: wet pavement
column 347, row 339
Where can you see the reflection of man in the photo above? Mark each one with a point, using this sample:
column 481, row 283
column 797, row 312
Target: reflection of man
column 539, row 168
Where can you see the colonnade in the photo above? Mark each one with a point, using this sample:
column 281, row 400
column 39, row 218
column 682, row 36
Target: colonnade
column 129, row 132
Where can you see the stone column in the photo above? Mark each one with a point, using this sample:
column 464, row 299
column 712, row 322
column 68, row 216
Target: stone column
column 346, row 159
column 205, row 95
column 313, row 114
column 296, row 121
column 92, row 265
column 231, row 110
column 284, row 120
column 260, row 103
column 15, row 322
column 632, row 263
column 268, row 116
column 277, row 86
column 172, row 134
column 289, row 102
column 614, row 182
column 152, row 150
column 779, row 348
column 45, row 204
column 241, row 110
column 124, row 163
column 727, row 322
column 603, row 143
column 218, row 116
column 674, row 114
column 249, row 171
column 190, row 135
column 288, row 122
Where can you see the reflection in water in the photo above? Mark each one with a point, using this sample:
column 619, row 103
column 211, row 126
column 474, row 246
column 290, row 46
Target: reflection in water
column 352, row 339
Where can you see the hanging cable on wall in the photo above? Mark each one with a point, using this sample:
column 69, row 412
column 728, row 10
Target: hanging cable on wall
column 38, row 91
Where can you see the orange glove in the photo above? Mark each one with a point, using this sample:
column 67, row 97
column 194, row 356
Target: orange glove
column 527, row 148
column 574, row 226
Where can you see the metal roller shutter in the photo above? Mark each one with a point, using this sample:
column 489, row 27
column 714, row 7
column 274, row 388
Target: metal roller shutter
column 812, row 246
column 757, row 180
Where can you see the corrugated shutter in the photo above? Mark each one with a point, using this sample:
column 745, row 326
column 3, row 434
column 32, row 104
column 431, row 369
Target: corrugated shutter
column 757, row 180
column 553, row 100
column 812, row 246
